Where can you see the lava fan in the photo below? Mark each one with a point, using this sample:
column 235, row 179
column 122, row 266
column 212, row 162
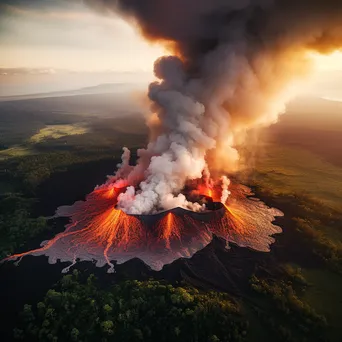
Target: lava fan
column 101, row 232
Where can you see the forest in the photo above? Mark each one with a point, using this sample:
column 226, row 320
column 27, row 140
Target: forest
column 78, row 310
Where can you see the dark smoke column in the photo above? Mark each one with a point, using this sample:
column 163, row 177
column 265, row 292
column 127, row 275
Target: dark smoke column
column 233, row 63
column 200, row 26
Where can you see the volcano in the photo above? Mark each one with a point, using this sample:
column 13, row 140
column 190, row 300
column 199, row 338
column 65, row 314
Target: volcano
column 98, row 231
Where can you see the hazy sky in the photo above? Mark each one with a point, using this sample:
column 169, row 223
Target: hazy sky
column 67, row 35
column 42, row 41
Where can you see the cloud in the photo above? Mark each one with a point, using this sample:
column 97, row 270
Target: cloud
column 27, row 71
column 66, row 13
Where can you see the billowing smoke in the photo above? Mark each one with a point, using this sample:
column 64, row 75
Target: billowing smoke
column 233, row 64
column 225, row 192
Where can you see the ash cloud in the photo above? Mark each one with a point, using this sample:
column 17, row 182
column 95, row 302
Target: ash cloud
column 198, row 26
column 234, row 62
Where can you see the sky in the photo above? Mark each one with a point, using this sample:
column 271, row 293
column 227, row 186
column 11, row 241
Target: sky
column 59, row 34
column 52, row 45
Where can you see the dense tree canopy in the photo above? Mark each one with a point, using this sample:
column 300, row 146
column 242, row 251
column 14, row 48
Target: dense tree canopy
column 16, row 224
column 131, row 311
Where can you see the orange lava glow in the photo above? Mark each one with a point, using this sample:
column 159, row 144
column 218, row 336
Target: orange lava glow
column 233, row 213
column 170, row 228
column 205, row 190
column 102, row 226
column 236, row 218
column 98, row 231
column 46, row 246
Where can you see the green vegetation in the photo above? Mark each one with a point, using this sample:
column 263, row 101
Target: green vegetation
column 32, row 152
column 58, row 131
column 287, row 170
column 131, row 311
column 33, row 170
column 310, row 188
column 316, row 227
column 15, row 152
column 324, row 294
column 292, row 318
column 16, row 224
column 327, row 249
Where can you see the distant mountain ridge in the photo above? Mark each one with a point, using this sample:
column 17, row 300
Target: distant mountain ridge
column 105, row 88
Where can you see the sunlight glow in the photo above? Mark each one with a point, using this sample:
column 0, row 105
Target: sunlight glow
column 331, row 61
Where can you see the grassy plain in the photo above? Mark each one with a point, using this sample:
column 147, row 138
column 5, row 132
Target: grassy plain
column 58, row 131
column 289, row 169
column 15, row 152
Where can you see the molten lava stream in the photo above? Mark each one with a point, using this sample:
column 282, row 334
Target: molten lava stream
column 169, row 226
column 47, row 245
column 236, row 221
column 113, row 223
column 113, row 232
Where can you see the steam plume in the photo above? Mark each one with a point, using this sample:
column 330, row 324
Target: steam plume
column 232, row 66
column 225, row 192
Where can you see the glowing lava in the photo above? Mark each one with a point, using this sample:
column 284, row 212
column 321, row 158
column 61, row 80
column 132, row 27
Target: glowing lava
column 99, row 232
column 169, row 228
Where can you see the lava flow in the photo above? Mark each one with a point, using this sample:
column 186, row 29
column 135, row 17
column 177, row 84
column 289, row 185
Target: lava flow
column 99, row 232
